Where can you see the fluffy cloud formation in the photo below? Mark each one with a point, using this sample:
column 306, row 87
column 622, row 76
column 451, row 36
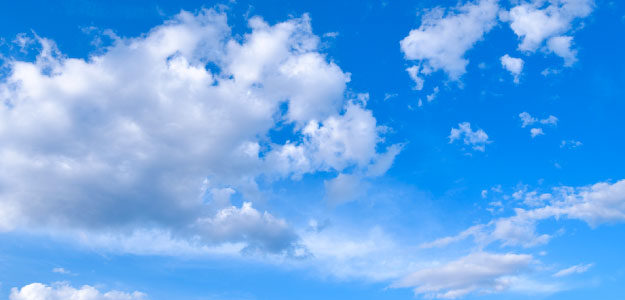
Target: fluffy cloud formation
column 513, row 65
column 62, row 291
column 476, row 139
column 537, row 21
column 597, row 204
column 534, row 132
column 150, row 131
column 443, row 37
column 481, row 271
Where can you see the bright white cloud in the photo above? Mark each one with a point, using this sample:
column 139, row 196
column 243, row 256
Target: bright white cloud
column 155, row 126
column 62, row 291
column 476, row 272
column 513, row 65
column 476, row 139
column 577, row 269
column 443, row 38
column 561, row 46
column 537, row 21
column 534, row 132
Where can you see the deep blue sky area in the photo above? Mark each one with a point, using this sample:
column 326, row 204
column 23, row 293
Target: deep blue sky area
column 152, row 150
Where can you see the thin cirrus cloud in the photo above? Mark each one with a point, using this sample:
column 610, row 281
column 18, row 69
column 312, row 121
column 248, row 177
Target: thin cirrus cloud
column 174, row 139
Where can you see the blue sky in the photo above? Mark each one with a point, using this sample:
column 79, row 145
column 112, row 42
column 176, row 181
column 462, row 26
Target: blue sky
column 312, row 150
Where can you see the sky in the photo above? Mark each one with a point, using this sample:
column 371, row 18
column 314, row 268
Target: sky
column 241, row 150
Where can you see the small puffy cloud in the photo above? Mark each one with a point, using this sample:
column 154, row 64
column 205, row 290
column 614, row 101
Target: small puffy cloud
column 62, row 291
column 444, row 37
column 561, row 46
column 535, row 22
column 536, row 132
column 513, row 65
column 527, row 120
column 477, row 272
column 577, row 269
column 476, row 139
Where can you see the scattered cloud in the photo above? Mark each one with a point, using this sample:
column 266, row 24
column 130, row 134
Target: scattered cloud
column 513, row 65
column 577, row 269
column 597, row 204
column 536, row 132
column 527, row 120
column 62, row 291
column 570, row 144
column 444, row 37
column 476, row 139
column 537, row 21
column 61, row 271
column 477, row 272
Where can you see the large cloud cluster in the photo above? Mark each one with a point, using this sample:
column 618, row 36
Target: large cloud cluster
column 159, row 130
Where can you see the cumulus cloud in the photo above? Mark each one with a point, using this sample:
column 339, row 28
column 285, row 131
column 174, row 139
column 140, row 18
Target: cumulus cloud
column 62, row 291
column 476, row 272
column 150, row 130
column 513, row 65
column 537, row 21
column 577, row 269
column 476, row 139
column 443, row 38
column 534, row 132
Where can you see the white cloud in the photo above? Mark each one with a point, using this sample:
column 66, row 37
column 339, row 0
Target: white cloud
column 597, row 204
column 444, row 37
column 476, row 272
column 370, row 255
column 61, row 271
column 534, row 22
column 148, row 131
column 513, row 65
column 577, row 269
column 527, row 119
column 536, row 132
column 477, row 139
column 561, row 46
column 62, row 291
column 571, row 144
